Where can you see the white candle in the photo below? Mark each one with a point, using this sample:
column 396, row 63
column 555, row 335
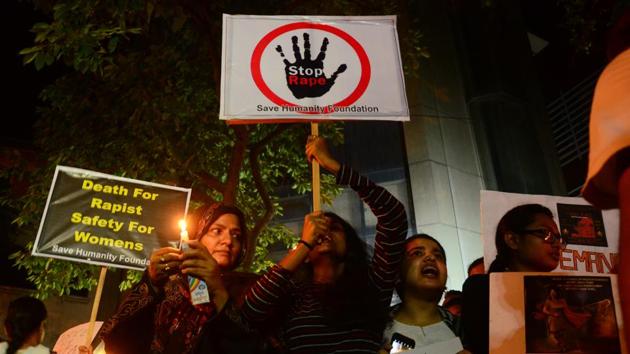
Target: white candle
column 198, row 289
column 183, row 233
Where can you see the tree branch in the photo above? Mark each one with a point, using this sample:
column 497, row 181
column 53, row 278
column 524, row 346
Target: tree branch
column 202, row 197
column 236, row 163
column 254, row 153
column 252, row 236
column 280, row 128
column 211, row 181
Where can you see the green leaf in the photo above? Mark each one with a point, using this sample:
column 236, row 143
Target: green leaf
column 30, row 50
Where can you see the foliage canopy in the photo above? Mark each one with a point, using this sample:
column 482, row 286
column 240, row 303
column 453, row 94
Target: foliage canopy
column 139, row 98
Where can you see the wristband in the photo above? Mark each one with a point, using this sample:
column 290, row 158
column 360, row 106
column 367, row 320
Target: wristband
column 308, row 245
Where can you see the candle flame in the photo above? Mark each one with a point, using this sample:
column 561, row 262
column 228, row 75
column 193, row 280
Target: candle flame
column 183, row 234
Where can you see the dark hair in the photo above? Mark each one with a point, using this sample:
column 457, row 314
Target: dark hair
column 453, row 297
column 515, row 220
column 453, row 293
column 400, row 285
column 475, row 263
column 208, row 214
column 351, row 301
column 24, row 316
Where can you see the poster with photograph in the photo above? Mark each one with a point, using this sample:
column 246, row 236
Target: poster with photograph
column 570, row 313
column 575, row 312
column 592, row 235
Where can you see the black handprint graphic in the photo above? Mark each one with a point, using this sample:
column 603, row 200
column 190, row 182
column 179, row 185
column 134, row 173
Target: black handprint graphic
column 305, row 77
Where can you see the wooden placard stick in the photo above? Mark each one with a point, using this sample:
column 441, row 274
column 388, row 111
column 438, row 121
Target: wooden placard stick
column 97, row 301
column 316, row 182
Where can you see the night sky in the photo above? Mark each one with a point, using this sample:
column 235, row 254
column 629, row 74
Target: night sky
column 21, row 83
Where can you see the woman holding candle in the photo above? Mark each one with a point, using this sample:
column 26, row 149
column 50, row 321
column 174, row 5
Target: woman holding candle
column 325, row 293
column 157, row 316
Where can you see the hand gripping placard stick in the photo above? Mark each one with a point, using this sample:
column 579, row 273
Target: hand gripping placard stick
column 97, row 301
column 315, row 172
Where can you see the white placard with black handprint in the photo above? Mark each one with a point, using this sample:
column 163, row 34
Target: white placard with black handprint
column 311, row 68
column 305, row 76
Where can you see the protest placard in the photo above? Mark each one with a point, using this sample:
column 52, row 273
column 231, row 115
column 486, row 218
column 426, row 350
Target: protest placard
column 570, row 312
column 107, row 220
column 70, row 340
column 592, row 234
column 303, row 68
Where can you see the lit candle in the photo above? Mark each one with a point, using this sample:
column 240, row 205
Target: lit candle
column 199, row 293
column 183, row 233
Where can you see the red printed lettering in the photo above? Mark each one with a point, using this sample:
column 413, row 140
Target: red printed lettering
column 594, row 262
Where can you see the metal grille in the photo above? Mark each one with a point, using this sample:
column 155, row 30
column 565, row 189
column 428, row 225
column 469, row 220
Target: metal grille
column 569, row 115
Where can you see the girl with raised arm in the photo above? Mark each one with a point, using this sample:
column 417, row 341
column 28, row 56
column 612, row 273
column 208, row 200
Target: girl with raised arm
column 326, row 295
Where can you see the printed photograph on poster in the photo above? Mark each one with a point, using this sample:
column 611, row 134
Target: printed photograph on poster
column 582, row 225
column 592, row 235
column 570, row 314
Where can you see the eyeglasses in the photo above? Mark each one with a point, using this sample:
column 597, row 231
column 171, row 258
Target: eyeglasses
column 547, row 236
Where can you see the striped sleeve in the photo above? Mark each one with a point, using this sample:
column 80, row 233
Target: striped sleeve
column 391, row 229
column 266, row 294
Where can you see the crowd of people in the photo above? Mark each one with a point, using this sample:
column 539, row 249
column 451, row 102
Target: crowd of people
column 325, row 296
column 329, row 294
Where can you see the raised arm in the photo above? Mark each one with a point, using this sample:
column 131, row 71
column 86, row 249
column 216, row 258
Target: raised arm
column 266, row 295
column 391, row 227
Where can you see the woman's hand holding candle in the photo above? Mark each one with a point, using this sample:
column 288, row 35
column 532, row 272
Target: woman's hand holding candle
column 197, row 262
column 166, row 261
column 163, row 262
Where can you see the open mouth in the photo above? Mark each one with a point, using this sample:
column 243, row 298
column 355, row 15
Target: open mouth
column 430, row 271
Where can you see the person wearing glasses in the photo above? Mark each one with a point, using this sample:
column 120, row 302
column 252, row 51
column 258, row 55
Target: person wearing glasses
column 527, row 240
